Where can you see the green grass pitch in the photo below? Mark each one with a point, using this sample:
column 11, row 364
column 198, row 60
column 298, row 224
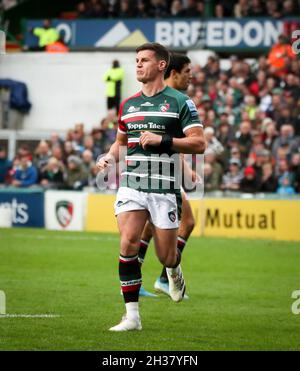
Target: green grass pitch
column 240, row 295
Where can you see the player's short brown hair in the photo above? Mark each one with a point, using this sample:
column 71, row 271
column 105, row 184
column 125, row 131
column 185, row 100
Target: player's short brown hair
column 160, row 51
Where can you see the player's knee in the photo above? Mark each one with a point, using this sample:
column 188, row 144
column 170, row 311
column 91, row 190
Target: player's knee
column 168, row 259
column 129, row 243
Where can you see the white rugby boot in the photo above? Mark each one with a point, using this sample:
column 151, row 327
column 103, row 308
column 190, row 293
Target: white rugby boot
column 176, row 283
column 127, row 324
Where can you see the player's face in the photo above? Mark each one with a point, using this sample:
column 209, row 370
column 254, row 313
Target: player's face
column 147, row 66
column 183, row 78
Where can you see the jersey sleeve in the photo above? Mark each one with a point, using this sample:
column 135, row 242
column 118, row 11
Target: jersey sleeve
column 122, row 128
column 188, row 114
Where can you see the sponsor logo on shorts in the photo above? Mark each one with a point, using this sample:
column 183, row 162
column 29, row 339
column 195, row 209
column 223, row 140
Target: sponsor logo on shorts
column 64, row 212
column 172, row 216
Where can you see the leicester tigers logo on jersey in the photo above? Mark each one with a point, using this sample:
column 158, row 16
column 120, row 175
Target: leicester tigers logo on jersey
column 64, row 212
column 172, row 216
column 164, row 107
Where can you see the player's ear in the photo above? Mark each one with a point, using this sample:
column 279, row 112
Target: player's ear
column 162, row 65
column 173, row 74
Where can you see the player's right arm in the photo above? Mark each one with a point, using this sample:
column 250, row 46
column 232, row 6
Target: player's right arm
column 113, row 156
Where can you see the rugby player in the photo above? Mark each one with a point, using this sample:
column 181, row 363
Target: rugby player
column 177, row 76
column 157, row 120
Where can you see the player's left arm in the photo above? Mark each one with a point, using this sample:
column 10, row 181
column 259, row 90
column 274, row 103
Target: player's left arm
column 193, row 142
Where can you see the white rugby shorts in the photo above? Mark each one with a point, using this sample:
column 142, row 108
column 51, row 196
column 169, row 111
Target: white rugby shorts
column 163, row 208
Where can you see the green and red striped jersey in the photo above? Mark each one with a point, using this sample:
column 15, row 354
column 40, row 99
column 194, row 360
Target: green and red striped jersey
column 167, row 112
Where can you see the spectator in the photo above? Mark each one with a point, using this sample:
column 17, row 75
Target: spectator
column 288, row 8
column 68, row 149
column 52, row 176
column 270, row 133
column 256, row 147
column 90, row 145
column 112, row 8
column 225, row 136
column 77, row 139
column 99, row 139
column 5, row 166
column 97, row 9
column 272, row 8
column 59, row 46
column 212, row 68
column 109, row 129
column 285, row 188
column 177, row 9
column 76, row 176
column 249, row 183
column 262, row 156
column 279, row 56
column 217, row 171
column 292, row 85
column 58, row 153
column 24, row 150
column 268, row 182
column 7, row 4
column 81, row 10
column 126, row 9
column 232, row 179
column 276, row 106
column 46, row 34
column 212, row 142
column 42, row 155
column 55, row 140
column 228, row 6
column 257, row 9
column 283, row 170
column 219, row 11
column 286, row 118
column 192, row 9
column 244, row 139
column 158, row 9
column 142, row 10
column 113, row 79
column 296, row 171
column 26, row 174
column 286, row 139
column 92, row 177
column 211, row 181
column 250, row 106
column 87, row 160
column 235, row 154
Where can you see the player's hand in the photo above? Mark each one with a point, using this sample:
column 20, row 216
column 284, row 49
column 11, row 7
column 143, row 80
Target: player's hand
column 104, row 162
column 196, row 178
column 149, row 139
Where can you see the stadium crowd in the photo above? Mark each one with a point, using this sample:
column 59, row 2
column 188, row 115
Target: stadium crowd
column 186, row 8
column 178, row 8
column 251, row 114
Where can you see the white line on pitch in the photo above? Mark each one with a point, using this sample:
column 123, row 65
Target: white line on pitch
column 70, row 238
column 29, row 316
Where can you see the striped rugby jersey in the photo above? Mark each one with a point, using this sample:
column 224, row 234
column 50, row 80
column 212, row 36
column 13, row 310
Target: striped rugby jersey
column 167, row 112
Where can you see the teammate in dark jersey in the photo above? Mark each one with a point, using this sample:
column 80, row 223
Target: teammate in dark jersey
column 158, row 120
column 177, row 76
